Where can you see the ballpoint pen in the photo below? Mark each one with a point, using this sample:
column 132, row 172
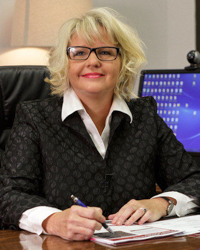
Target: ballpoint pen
column 80, row 203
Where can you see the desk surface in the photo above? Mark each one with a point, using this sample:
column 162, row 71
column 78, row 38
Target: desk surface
column 22, row 240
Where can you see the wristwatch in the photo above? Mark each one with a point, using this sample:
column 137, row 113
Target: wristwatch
column 170, row 206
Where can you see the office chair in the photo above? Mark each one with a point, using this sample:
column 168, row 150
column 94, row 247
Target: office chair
column 17, row 84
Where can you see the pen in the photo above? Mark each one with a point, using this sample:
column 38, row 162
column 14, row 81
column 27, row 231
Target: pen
column 80, row 203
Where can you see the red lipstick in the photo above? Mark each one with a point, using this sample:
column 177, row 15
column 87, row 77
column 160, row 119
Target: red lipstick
column 93, row 75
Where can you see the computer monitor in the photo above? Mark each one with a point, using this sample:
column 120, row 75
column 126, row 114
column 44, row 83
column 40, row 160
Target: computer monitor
column 177, row 93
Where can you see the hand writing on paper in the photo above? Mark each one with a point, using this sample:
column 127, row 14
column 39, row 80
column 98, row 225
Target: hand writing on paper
column 76, row 223
column 141, row 211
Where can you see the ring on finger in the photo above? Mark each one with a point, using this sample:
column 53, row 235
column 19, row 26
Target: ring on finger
column 144, row 209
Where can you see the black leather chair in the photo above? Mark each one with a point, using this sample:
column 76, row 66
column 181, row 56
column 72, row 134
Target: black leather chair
column 17, row 84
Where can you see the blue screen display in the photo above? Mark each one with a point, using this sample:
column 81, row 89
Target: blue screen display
column 178, row 102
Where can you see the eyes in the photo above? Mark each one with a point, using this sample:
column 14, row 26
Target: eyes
column 83, row 53
column 105, row 52
column 79, row 53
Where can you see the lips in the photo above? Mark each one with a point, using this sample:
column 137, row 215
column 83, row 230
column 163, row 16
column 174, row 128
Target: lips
column 93, row 75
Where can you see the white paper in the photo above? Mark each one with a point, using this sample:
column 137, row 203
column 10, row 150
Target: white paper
column 188, row 225
column 171, row 226
column 136, row 233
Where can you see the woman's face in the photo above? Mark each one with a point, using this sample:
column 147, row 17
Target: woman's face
column 93, row 77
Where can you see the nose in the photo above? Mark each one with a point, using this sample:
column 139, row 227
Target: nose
column 93, row 60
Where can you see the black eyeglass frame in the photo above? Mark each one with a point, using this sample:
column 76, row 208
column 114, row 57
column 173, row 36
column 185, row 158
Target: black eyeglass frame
column 91, row 50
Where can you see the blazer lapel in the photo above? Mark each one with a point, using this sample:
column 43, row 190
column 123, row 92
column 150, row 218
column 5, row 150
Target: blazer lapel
column 75, row 123
column 117, row 118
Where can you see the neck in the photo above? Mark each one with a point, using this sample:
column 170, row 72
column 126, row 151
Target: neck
column 98, row 109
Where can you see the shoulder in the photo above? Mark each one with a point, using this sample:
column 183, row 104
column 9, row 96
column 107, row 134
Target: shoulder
column 142, row 104
column 45, row 104
column 45, row 108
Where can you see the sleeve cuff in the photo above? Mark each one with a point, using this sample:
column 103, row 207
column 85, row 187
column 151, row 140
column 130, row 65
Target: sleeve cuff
column 31, row 220
column 185, row 204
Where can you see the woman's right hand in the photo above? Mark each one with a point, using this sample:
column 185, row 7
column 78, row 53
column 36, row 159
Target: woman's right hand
column 75, row 223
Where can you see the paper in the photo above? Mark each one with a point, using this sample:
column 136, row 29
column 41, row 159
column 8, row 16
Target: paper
column 181, row 226
column 126, row 234
column 188, row 225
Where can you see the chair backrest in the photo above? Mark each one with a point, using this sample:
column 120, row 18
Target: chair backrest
column 17, row 84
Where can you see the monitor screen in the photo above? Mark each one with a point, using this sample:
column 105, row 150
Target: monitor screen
column 177, row 93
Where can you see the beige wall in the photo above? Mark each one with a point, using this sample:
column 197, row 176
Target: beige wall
column 166, row 26
column 12, row 55
column 40, row 31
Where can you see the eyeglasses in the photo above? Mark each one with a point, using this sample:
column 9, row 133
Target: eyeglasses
column 83, row 53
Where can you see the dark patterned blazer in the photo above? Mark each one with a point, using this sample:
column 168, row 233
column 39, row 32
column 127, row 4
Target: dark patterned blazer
column 46, row 160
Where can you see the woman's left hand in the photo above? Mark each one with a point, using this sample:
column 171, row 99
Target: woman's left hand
column 141, row 211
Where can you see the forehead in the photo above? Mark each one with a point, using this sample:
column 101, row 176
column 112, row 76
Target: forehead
column 102, row 39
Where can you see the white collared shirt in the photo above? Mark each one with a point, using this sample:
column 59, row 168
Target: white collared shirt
column 71, row 104
column 31, row 220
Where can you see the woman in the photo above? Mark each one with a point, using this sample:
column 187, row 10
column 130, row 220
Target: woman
column 92, row 140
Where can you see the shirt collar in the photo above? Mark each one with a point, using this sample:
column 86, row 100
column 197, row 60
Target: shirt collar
column 120, row 105
column 71, row 104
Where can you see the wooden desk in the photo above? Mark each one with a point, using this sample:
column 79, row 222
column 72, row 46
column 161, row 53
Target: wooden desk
column 10, row 240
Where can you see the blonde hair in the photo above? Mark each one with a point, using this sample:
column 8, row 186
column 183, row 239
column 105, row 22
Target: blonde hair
column 89, row 26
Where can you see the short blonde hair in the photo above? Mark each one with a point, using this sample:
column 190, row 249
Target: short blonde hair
column 88, row 26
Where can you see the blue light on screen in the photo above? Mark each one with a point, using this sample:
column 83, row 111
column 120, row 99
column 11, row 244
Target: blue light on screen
column 178, row 102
